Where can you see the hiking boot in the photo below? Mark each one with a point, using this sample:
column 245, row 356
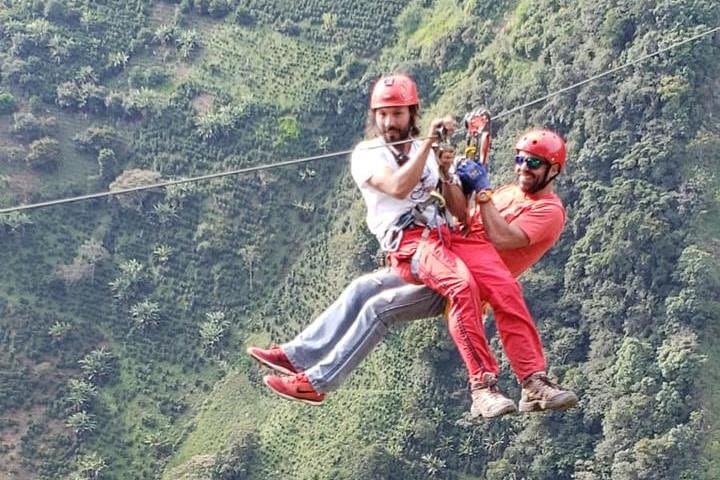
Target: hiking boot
column 487, row 399
column 273, row 357
column 541, row 393
column 294, row 387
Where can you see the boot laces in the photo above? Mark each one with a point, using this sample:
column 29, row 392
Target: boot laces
column 543, row 385
column 489, row 383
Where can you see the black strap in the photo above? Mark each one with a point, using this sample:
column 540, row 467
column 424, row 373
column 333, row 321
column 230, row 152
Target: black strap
column 400, row 157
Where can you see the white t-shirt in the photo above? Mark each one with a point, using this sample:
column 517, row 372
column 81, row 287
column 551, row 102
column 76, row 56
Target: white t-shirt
column 384, row 209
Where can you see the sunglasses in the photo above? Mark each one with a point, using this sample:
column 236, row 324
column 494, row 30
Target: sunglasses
column 533, row 163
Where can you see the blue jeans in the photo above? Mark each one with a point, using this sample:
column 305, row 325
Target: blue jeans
column 330, row 348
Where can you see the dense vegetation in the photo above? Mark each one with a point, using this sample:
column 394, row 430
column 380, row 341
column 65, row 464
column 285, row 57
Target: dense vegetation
column 123, row 322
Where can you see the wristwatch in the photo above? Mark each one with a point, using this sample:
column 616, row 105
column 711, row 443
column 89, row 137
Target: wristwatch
column 483, row 196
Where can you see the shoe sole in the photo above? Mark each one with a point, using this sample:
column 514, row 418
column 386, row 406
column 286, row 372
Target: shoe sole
column 314, row 403
column 273, row 366
column 559, row 403
column 503, row 411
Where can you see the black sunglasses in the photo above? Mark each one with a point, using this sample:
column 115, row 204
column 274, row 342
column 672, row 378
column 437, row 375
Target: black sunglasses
column 533, row 163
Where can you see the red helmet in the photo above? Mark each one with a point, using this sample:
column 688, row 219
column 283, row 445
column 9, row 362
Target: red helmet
column 545, row 144
column 394, row 91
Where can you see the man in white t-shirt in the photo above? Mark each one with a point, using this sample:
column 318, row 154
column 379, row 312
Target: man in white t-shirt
column 372, row 156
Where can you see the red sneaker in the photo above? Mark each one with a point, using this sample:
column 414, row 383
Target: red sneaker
column 274, row 357
column 295, row 387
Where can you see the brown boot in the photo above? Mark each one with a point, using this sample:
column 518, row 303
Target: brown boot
column 541, row 393
column 487, row 399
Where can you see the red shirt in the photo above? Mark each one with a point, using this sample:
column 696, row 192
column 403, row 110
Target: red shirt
column 541, row 217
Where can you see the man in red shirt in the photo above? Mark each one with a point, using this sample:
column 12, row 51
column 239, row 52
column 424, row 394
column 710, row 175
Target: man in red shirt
column 521, row 223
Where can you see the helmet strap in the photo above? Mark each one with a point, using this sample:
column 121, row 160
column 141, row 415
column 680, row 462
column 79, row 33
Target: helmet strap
column 545, row 181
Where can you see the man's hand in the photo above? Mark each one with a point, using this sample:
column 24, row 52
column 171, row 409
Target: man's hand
column 445, row 156
column 446, row 124
column 473, row 176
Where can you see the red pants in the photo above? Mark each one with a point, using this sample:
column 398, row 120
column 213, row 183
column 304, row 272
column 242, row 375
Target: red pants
column 469, row 271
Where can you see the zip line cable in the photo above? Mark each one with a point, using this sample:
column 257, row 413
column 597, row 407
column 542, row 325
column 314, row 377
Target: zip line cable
column 606, row 73
column 298, row 161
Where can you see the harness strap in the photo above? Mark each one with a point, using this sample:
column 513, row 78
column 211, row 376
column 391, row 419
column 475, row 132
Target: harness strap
column 415, row 260
column 414, row 216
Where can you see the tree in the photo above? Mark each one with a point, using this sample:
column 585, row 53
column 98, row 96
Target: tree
column 145, row 314
column 187, row 43
column 218, row 8
column 434, row 466
column 128, row 284
column 83, row 95
column 96, row 138
column 244, row 16
column 7, row 103
column 107, row 164
column 158, row 444
column 89, row 466
column 27, row 127
column 250, row 254
column 55, row 11
column 678, row 357
column 165, row 34
column 162, row 253
column 14, row 222
column 130, row 179
column 44, row 154
column 235, row 462
column 59, row 330
column 213, row 330
column 118, row 60
column 166, row 213
column 79, row 393
column 144, row 76
column 329, row 21
column 289, row 128
column 97, row 365
column 81, row 423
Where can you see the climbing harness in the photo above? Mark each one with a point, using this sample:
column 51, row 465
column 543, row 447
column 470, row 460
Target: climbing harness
column 413, row 217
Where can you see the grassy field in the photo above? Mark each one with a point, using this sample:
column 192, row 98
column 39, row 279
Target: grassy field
column 259, row 66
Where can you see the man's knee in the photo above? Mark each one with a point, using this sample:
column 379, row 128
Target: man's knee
column 380, row 308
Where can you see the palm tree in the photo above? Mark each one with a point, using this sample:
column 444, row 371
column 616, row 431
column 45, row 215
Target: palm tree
column 79, row 393
column 157, row 443
column 97, row 364
column 250, row 254
column 187, row 43
column 467, row 450
column 162, row 254
column 213, row 330
column 166, row 213
column 59, row 330
column 90, row 466
column 164, row 34
column 126, row 285
column 145, row 314
column 433, row 465
column 81, row 423
column 118, row 59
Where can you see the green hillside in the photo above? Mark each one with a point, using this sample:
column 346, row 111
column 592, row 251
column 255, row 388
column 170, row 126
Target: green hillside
column 124, row 321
